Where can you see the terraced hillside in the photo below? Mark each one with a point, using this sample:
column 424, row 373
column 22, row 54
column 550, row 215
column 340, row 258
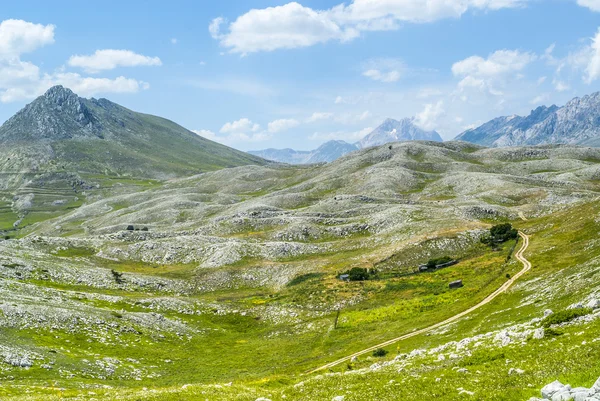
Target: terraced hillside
column 225, row 285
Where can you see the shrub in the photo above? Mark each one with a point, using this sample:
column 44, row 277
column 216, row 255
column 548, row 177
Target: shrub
column 565, row 316
column 145, row 229
column 357, row 274
column 130, row 228
column 379, row 352
column 432, row 263
column 117, row 276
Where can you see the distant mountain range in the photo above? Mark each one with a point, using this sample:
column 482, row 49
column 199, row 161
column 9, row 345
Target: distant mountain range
column 577, row 123
column 325, row 153
column 61, row 132
column 390, row 131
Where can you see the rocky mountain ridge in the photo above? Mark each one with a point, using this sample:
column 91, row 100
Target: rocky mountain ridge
column 576, row 123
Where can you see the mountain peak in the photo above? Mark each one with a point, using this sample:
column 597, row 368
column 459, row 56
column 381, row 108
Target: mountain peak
column 398, row 130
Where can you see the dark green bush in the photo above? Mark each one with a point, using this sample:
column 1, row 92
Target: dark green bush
column 500, row 233
column 432, row 263
column 379, row 352
column 358, row 274
column 565, row 316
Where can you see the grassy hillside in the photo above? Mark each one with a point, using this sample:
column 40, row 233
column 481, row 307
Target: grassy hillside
column 233, row 291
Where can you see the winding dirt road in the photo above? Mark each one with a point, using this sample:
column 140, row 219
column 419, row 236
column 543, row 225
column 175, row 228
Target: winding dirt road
column 526, row 267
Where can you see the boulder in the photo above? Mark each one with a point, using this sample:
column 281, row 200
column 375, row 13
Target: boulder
column 548, row 312
column 539, row 333
column 549, row 390
column 338, row 398
column 593, row 304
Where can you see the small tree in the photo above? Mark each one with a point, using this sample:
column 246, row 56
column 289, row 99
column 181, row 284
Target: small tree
column 118, row 276
column 130, row 228
column 358, row 274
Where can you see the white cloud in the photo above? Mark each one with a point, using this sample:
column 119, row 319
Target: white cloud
column 585, row 61
column 235, row 138
column 283, row 27
column 240, row 126
column 541, row 80
column 486, row 75
column 293, row 25
column 18, row 37
column 214, row 28
column 83, row 86
column 428, row 118
column 498, row 63
column 22, row 80
column 174, row 41
column 282, row 125
column 561, row 86
column 378, row 75
column 541, row 99
column 592, row 71
column 109, row 59
column 208, row 134
column 319, row 116
column 593, row 5
column 348, row 136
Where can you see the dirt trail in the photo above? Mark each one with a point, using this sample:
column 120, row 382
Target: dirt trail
column 526, row 267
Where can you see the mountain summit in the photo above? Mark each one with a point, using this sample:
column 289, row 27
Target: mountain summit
column 101, row 137
column 396, row 131
column 577, row 122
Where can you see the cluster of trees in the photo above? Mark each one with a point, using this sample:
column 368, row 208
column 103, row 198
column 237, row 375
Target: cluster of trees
column 500, row 233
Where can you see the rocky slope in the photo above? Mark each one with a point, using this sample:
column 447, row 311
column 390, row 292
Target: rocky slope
column 577, row 122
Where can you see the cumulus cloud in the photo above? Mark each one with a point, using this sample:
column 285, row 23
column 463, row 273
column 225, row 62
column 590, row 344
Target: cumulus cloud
column 18, row 37
column 593, row 5
column 243, row 125
column 283, row 27
column 282, row 125
column 498, row 63
column 428, row 118
column 23, row 80
column 293, row 25
column 109, row 59
column 486, row 74
column 592, row 70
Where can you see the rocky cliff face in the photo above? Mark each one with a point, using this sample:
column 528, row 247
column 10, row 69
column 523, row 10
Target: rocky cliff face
column 577, row 122
column 58, row 114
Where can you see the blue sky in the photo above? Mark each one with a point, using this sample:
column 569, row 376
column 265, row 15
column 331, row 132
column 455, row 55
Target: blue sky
column 258, row 74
